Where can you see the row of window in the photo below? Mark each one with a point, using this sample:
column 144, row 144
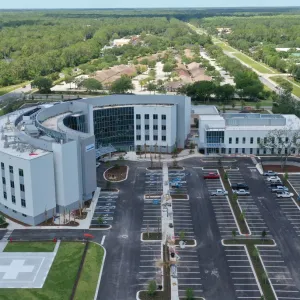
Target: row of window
column 258, row 140
column 11, row 170
column 259, row 151
column 155, row 127
column 13, row 199
column 147, row 137
column 15, row 211
column 12, row 184
column 155, row 117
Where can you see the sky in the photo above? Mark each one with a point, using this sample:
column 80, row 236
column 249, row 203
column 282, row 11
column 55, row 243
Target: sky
column 27, row 4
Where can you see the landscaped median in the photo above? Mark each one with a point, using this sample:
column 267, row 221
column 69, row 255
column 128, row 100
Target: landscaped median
column 117, row 173
column 253, row 252
column 234, row 203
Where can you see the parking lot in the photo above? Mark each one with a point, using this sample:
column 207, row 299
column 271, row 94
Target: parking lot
column 294, row 180
column 153, row 182
column 105, row 208
column 178, row 184
column 253, row 217
column 188, row 272
column 221, row 207
column 242, row 274
column 278, row 273
column 151, row 216
column 149, row 269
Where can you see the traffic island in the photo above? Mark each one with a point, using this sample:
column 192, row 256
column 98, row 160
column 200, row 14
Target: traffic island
column 189, row 243
column 116, row 173
column 239, row 215
column 151, row 236
column 254, row 255
column 180, row 196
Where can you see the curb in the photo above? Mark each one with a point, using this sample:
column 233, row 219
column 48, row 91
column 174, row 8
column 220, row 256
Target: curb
column 118, row 180
column 101, row 271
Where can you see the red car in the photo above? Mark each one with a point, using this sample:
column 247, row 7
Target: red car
column 211, row 176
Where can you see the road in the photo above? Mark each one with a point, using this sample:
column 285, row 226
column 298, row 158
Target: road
column 17, row 91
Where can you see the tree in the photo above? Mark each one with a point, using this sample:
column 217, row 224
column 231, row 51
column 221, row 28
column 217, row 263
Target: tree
column 70, row 80
column 151, row 87
column 100, row 220
column 91, row 84
column 282, row 142
column 152, row 287
column 189, row 294
column 263, row 234
column 181, row 235
column 242, row 216
column 121, row 85
column 168, row 67
column 44, row 84
column 286, row 86
column 233, row 233
column 255, row 253
column 257, row 105
column 2, row 219
column 234, row 197
column 286, row 176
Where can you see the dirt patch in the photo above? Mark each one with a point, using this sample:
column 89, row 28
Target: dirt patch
column 152, row 236
column 49, row 223
column 180, row 197
column 277, row 168
column 116, row 173
column 109, row 190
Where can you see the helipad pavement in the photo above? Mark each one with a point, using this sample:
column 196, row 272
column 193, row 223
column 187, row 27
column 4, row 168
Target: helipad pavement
column 25, row 269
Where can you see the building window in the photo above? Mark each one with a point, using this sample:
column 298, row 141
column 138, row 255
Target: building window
column 265, row 140
column 155, row 117
column 244, row 140
column 6, row 207
column 23, row 203
column 138, row 137
column 258, row 140
column 286, row 139
column 11, row 169
column 138, row 127
column 146, row 117
column 229, row 151
column 265, row 151
column 163, row 138
column 24, row 215
column 163, row 117
column 285, row 151
column 146, row 137
column 279, row 140
column 12, row 184
column 163, row 127
column 138, row 117
column 2, row 166
column 4, row 195
column 272, row 150
column 236, row 140
column 146, row 127
column 3, row 180
column 22, row 187
column 251, row 140
column 155, row 137
column 279, row 151
column 230, row 140
column 236, row 150
column 155, row 127
column 251, row 151
column 21, row 172
column 14, row 211
column 257, row 151
column 243, row 150
column 13, row 199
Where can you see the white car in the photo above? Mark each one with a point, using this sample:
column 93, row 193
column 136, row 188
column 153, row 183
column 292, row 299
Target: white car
column 274, row 179
column 284, row 195
column 219, row 192
column 241, row 192
column 270, row 173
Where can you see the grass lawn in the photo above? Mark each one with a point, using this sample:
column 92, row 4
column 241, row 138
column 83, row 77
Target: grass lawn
column 255, row 65
column 296, row 88
column 30, row 247
column 225, row 47
column 90, row 272
column 60, row 280
column 258, row 267
column 7, row 89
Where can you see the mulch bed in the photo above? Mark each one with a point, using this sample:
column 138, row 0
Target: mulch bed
column 155, row 236
column 116, row 173
column 99, row 226
column 48, row 223
column 175, row 168
column 4, row 225
column 179, row 196
column 277, row 168
column 109, row 190
column 77, row 215
column 154, row 168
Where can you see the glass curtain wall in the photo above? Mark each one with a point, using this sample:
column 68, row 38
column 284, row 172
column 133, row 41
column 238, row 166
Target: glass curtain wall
column 114, row 126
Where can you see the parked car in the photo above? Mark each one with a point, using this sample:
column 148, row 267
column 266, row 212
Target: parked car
column 270, row 173
column 241, row 192
column 175, row 185
column 274, row 179
column 219, row 192
column 239, row 186
column 280, row 189
column 275, row 184
column 284, row 195
column 211, row 176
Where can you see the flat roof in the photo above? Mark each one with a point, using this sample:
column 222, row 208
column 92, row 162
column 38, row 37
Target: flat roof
column 211, row 118
column 204, row 110
column 51, row 123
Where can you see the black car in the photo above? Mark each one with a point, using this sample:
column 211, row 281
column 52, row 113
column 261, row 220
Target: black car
column 240, row 186
column 274, row 184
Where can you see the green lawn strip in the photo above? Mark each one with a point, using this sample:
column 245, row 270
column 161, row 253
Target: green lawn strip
column 258, row 267
column 30, row 247
column 152, row 236
column 234, row 204
column 256, row 65
column 60, row 280
column 225, row 47
column 296, row 89
column 88, row 280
